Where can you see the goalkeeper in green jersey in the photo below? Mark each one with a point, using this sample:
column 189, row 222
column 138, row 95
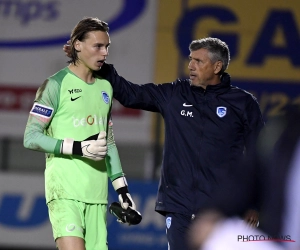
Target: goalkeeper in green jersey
column 71, row 122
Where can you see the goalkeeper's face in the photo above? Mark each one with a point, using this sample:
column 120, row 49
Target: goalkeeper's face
column 93, row 51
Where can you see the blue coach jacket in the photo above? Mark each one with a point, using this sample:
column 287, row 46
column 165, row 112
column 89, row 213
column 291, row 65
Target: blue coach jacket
column 206, row 134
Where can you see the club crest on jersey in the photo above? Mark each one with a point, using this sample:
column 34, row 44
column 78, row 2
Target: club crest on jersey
column 221, row 111
column 105, row 97
column 168, row 222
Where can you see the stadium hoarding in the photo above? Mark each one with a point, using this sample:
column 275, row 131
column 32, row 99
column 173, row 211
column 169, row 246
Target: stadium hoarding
column 263, row 37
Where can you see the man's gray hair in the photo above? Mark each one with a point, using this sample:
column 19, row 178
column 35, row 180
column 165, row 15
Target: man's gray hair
column 218, row 50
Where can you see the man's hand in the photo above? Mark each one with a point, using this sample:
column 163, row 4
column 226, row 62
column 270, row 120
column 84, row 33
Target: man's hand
column 251, row 218
column 67, row 48
column 121, row 187
column 94, row 147
column 106, row 70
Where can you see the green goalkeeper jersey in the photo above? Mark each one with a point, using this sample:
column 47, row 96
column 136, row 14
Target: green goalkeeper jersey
column 67, row 107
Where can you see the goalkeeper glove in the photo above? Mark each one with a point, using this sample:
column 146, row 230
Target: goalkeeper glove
column 130, row 216
column 93, row 148
column 121, row 187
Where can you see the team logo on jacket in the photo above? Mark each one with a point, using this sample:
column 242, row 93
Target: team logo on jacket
column 105, row 97
column 168, row 222
column 221, row 111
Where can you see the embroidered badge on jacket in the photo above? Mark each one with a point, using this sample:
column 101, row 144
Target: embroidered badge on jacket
column 221, row 111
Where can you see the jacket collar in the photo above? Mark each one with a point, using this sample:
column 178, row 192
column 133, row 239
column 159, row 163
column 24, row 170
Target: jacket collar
column 221, row 87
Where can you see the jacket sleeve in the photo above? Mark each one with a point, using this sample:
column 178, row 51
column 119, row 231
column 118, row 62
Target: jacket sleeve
column 149, row 96
column 242, row 189
column 253, row 123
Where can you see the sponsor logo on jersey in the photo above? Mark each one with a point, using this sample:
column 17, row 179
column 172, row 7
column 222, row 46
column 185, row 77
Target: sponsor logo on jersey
column 41, row 110
column 72, row 91
column 105, row 97
column 90, row 120
column 74, row 99
column 168, row 222
column 221, row 111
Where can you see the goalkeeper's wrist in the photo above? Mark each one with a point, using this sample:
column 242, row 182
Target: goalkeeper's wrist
column 122, row 190
column 71, row 147
column 120, row 185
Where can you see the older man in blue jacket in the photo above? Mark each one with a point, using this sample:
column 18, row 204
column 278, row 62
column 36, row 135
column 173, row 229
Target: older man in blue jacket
column 209, row 127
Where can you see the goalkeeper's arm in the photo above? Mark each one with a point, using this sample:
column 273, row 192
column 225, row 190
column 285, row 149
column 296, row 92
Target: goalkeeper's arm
column 115, row 172
column 47, row 99
column 94, row 147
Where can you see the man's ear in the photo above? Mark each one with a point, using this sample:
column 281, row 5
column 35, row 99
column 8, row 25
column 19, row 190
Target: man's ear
column 77, row 46
column 218, row 67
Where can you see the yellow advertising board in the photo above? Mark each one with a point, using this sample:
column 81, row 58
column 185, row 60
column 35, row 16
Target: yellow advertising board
column 263, row 38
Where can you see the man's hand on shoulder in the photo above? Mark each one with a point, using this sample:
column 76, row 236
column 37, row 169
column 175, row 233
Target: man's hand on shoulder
column 105, row 70
column 67, row 48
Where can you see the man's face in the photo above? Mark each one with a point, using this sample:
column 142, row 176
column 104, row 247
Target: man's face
column 202, row 71
column 93, row 50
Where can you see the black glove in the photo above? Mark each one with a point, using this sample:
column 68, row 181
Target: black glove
column 130, row 216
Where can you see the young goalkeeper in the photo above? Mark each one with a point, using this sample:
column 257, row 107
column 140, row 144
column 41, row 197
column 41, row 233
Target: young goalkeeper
column 71, row 122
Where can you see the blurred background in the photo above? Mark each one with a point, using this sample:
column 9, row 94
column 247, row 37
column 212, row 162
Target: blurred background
column 150, row 40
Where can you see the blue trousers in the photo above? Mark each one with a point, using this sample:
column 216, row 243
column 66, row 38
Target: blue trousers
column 177, row 226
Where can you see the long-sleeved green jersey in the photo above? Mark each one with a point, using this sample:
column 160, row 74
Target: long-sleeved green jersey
column 67, row 107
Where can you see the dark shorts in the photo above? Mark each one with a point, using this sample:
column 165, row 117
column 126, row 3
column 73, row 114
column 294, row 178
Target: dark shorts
column 177, row 226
